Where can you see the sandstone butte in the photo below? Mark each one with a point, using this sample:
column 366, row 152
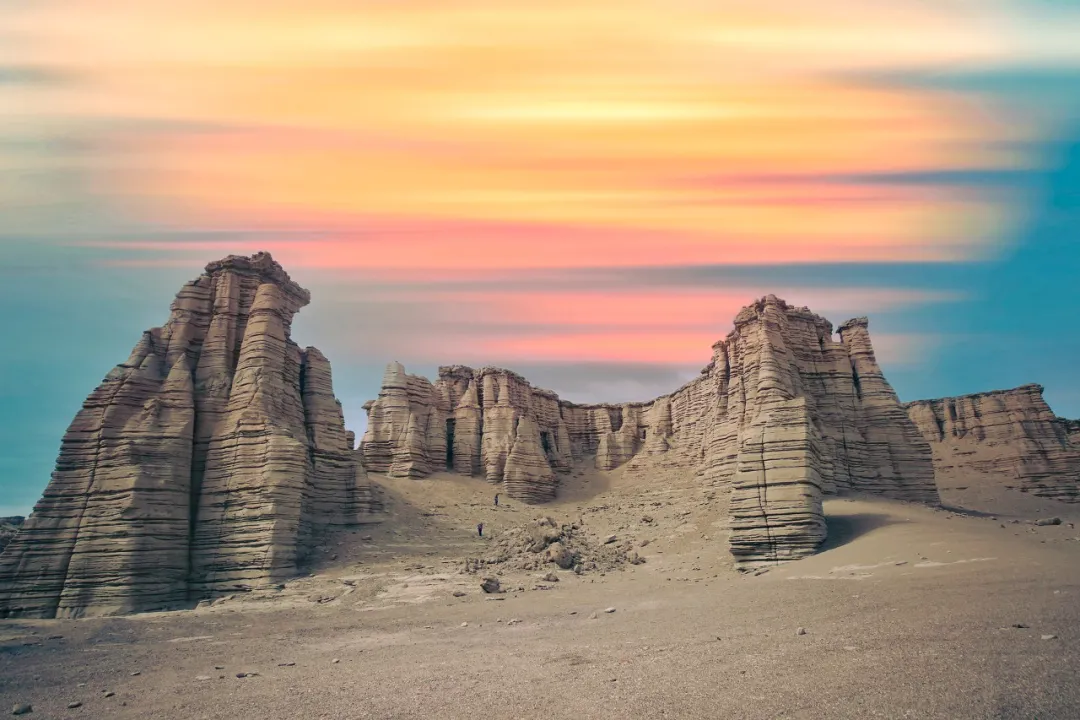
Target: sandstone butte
column 210, row 460
column 206, row 463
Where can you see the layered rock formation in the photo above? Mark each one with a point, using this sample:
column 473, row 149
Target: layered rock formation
column 1011, row 436
column 201, row 465
column 784, row 413
column 9, row 527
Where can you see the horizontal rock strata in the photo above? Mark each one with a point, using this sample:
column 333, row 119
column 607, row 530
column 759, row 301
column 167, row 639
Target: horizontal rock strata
column 201, row 465
column 781, row 389
column 1008, row 436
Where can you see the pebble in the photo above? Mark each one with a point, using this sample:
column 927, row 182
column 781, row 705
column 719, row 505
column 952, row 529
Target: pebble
column 464, row 624
column 287, row 664
column 593, row 616
column 1049, row 637
column 204, row 678
column 22, row 709
column 800, row 631
column 73, row 705
column 458, row 593
column 81, row 685
column 1020, row 626
column 609, row 610
column 513, row 621
column 335, row 661
column 109, row 693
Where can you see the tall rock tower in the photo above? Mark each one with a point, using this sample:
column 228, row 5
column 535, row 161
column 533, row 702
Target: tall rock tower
column 202, row 465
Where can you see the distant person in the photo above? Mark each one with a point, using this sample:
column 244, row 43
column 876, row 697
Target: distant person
column 496, row 499
column 480, row 529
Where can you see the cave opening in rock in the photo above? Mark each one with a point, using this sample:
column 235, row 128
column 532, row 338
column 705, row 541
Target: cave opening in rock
column 545, row 441
column 450, row 422
column 855, row 381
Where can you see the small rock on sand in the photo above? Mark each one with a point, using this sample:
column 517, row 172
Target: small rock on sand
column 458, row 593
column 203, row 678
column 801, row 631
column 73, row 705
column 1049, row 637
column 109, row 693
column 490, row 585
column 550, row 577
column 464, row 624
column 609, row 610
column 610, row 539
column 1048, row 521
column 335, row 661
column 22, row 709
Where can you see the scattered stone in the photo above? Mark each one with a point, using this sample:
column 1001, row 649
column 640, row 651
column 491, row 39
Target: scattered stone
column 459, row 593
column 73, row 705
column 610, row 539
column 801, row 631
column 490, row 585
column 203, row 678
column 1048, row 521
column 136, row 673
column 593, row 616
column 550, row 577
column 464, row 624
column 514, row 621
column 609, row 610
column 335, row 661
column 22, row 709
column 1020, row 626
column 287, row 664
column 109, row 693
column 1049, row 637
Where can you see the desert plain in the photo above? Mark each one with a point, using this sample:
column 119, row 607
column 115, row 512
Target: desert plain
column 965, row 611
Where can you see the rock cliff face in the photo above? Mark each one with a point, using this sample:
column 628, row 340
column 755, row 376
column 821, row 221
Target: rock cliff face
column 784, row 413
column 1009, row 435
column 9, row 526
column 201, row 465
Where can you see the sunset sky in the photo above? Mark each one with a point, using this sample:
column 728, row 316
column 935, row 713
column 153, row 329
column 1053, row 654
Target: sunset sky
column 586, row 191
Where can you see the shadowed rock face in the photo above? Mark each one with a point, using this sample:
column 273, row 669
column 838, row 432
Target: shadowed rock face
column 203, row 464
column 784, row 413
column 9, row 526
column 1009, row 435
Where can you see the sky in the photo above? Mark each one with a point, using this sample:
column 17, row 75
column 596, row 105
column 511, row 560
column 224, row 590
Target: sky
column 585, row 191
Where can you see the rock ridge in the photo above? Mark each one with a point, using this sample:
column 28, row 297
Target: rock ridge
column 1007, row 436
column 783, row 413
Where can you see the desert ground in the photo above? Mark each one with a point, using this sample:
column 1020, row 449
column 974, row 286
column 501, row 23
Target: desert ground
column 969, row 611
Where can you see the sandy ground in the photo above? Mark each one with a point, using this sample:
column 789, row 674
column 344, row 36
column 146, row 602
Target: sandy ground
column 909, row 612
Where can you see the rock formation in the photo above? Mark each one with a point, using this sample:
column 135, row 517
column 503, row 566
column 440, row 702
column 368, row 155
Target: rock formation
column 784, row 413
column 9, row 526
column 1009, row 435
column 203, row 464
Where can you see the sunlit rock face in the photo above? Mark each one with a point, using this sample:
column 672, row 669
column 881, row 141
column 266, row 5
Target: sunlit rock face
column 204, row 464
column 1007, row 436
column 785, row 412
